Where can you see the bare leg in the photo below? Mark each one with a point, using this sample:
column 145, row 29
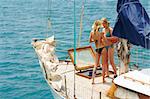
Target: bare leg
column 126, row 68
column 111, row 59
column 104, row 63
column 95, row 67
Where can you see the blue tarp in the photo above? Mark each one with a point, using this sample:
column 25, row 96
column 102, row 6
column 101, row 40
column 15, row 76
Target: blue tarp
column 133, row 23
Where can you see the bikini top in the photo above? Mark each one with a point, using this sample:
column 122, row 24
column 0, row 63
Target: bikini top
column 108, row 34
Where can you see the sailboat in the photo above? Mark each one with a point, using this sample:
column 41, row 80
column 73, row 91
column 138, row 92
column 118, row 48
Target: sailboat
column 71, row 79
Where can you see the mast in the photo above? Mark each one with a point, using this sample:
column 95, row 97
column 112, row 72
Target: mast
column 74, row 49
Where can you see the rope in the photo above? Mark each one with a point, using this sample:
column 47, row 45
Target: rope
column 48, row 20
column 81, row 25
column 49, row 26
column 49, row 8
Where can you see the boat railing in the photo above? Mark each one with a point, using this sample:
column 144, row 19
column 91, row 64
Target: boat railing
column 86, row 92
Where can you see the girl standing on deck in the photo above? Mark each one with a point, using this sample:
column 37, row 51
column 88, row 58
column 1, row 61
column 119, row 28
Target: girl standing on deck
column 109, row 46
column 97, row 38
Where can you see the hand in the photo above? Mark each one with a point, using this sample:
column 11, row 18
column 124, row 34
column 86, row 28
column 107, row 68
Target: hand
column 102, row 34
column 113, row 39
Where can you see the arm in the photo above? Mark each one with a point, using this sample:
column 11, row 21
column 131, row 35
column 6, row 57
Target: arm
column 90, row 38
column 106, row 40
column 111, row 30
column 103, row 39
column 113, row 39
column 104, row 36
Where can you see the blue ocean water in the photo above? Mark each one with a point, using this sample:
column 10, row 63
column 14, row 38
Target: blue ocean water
column 22, row 20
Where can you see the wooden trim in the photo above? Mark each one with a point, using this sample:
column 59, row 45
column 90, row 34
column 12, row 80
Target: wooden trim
column 79, row 74
column 80, row 49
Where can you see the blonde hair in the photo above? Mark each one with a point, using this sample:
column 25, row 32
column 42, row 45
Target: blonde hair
column 96, row 25
column 105, row 20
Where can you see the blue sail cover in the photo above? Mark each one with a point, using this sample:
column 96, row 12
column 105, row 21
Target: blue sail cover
column 133, row 23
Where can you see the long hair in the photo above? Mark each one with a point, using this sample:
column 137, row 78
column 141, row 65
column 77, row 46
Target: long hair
column 96, row 25
column 105, row 21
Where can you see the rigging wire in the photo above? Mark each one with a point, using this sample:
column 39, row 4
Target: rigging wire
column 81, row 21
column 48, row 20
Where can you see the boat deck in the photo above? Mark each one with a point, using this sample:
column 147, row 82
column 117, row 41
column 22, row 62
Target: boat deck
column 84, row 88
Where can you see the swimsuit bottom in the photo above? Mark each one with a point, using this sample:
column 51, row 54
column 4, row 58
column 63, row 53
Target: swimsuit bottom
column 107, row 47
column 99, row 50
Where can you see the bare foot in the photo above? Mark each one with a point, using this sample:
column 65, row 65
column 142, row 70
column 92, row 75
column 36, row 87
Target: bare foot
column 104, row 81
column 93, row 82
column 106, row 75
column 115, row 75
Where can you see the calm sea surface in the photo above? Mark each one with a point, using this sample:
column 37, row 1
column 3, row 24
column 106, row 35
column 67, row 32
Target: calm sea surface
column 22, row 20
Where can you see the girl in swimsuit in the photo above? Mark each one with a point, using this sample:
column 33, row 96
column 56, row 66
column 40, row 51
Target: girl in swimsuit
column 109, row 50
column 96, row 37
